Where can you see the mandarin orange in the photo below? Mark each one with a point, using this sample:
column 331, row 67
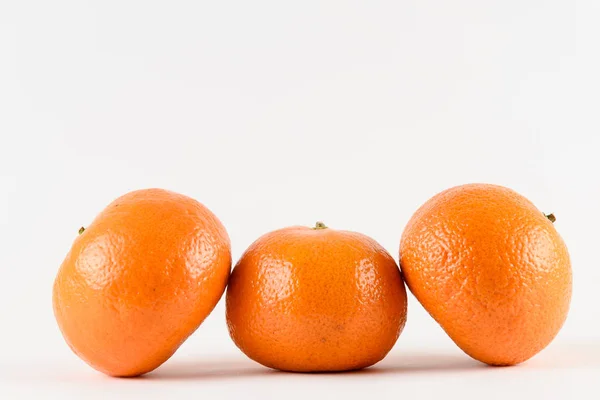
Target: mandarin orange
column 315, row 299
column 140, row 279
column 491, row 269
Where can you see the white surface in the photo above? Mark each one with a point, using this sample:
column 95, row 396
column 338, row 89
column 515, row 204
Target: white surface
column 279, row 113
column 562, row 372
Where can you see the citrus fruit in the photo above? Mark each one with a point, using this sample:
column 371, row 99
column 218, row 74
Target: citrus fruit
column 315, row 299
column 140, row 279
column 491, row 269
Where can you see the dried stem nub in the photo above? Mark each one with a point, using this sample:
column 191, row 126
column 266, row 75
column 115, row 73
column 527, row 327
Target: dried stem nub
column 320, row 225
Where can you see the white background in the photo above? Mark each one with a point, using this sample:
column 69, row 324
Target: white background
column 275, row 113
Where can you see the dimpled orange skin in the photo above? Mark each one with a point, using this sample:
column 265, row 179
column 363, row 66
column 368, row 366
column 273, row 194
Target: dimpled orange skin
column 491, row 269
column 307, row 300
column 140, row 279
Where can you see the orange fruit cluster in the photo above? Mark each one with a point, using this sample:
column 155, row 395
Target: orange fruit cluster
column 487, row 265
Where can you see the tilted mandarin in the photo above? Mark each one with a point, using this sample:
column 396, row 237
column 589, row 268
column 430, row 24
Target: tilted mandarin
column 140, row 279
column 491, row 269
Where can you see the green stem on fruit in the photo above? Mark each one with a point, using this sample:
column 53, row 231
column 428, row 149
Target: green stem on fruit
column 81, row 230
column 551, row 217
column 320, row 225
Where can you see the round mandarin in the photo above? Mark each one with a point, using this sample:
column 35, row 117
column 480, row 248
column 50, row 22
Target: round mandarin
column 315, row 299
